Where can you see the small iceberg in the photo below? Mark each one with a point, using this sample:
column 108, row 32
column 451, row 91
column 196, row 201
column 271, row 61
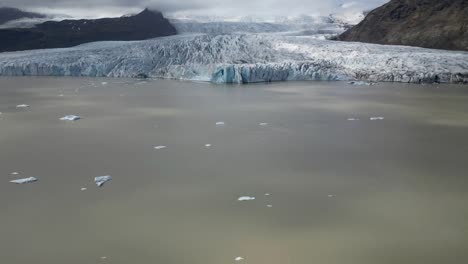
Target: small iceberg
column 377, row 118
column 361, row 83
column 353, row 119
column 208, row 145
column 246, row 198
column 70, row 118
column 263, row 124
column 269, row 205
column 84, row 189
column 239, row 259
column 22, row 106
column 220, row 123
column 24, row 180
column 160, row 147
column 100, row 180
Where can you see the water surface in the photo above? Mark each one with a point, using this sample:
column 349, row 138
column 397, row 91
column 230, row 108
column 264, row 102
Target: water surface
column 354, row 192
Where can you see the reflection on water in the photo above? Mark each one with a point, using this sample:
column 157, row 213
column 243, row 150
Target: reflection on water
column 364, row 192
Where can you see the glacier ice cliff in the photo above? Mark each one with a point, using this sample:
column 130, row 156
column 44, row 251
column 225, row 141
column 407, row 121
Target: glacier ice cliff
column 242, row 58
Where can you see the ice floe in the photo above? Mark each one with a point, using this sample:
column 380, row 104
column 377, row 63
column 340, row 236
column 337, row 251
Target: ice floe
column 246, row 198
column 353, row 119
column 22, row 106
column 160, row 147
column 100, row 180
column 70, row 118
column 263, row 124
column 24, row 180
column 358, row 83
column 220, row 123
column 376, row 118
column 239, row 259
column 208, row 145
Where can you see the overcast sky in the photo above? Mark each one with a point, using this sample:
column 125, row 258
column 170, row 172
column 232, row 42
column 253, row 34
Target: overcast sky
column 208, row 7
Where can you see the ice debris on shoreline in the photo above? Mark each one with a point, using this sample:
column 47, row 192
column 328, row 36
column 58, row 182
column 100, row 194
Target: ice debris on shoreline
column 100, row 180
column 24, row 180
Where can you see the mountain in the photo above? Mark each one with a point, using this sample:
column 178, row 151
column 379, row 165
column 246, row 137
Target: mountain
column 8, row 14
column 67, row 33
column 439, row 24
column 242, row 58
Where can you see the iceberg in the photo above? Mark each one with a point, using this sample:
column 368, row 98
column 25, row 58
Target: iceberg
column 242, row 58
column 70, row 118
column 246, row 198
column 24, row 180
column 100, row 180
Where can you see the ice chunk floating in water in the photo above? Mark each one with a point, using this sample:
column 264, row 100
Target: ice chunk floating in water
column 246, row 198
column 25, row 180
column 239, row 259
column 22, row 106
column 70, row 118
column 220, row 123
column 160, row 147
column 100, row 180
column 377, row 118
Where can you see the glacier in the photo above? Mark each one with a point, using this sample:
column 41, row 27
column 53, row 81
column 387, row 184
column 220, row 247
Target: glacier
column 242, row 58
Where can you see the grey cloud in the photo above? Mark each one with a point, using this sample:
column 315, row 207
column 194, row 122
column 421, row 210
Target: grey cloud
column 212, row 7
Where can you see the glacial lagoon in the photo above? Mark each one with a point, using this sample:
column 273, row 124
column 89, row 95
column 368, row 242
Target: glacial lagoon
column 339, row 173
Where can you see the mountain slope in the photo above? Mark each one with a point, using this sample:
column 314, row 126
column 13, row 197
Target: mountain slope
column 67, row 33
column 440, row 24
column 8, row 14
column 242, row 58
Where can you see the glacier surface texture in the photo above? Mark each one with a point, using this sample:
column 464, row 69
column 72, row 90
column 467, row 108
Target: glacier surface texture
column 242, row 58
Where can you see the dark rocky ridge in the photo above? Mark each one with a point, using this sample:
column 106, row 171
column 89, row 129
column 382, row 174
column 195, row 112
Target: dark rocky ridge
column 67, row 33
column 8, row 14
column 439, row 24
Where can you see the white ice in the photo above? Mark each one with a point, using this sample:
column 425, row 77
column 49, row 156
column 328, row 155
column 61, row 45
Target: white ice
column 242, row 58
column 24, row 180
column 246, row 198
column 70, row 118
column 100, row 180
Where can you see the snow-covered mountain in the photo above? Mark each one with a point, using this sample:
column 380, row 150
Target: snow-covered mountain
column 242, row 58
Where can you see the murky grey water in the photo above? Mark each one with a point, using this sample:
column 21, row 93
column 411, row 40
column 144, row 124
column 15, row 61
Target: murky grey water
column 364, row 192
